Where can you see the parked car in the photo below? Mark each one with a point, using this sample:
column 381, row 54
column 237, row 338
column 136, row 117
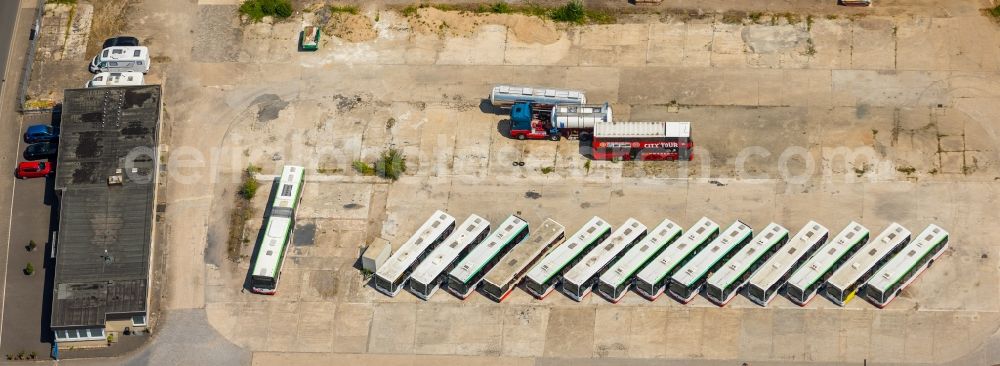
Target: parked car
column 125, row 41
column 40, row 133
column 33, row 169
column 41, row 150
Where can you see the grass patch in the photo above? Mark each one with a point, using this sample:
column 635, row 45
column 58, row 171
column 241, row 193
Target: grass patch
column 994, row 12
column 755, row 17
column 548, row 169
column 63, row 2
column 363, row 168
column 391, row 164
column 242, row 212
column 499, row 7
column 586, row 166
column 349, row 9
column 733, row 17
column 810, row 47
column 573, row 11
column 258, row 9
column 906, row 169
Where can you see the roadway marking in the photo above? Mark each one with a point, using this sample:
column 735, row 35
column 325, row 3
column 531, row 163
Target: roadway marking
column 17, row 147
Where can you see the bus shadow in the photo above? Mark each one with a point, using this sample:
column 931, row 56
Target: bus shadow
column 260, row 233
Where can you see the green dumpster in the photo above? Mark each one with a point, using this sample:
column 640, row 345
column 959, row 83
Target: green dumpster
column 309, row 38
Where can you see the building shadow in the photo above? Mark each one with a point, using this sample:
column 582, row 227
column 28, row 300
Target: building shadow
column 49, row 266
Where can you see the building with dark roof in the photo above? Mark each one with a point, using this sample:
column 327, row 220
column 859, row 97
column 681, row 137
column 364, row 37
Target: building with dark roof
column 106, row 180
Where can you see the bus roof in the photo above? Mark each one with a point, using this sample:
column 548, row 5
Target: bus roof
column 643, row 129
column 523, row 254
column 605, row 252
column 894, row 270
column 827, row 255
column 775, row 268
column 705, row 259
column 482, row 253
column 748, row 255
column 450, row 248
column 869, row 255
column 279, row 222
column 661, row 265
column 663, row 234
column 407, row 253
column 555, row 260
column 272, row 246
column 289, row 187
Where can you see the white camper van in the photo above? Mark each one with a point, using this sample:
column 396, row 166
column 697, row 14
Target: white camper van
column 121, row 59
column 115, row 79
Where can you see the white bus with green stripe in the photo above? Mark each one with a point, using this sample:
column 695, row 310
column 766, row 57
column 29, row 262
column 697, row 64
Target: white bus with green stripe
column 687, row 281
column 391, row 277
column 541, row 279
column 433, row 271
column 725, row 283
column 468, row 273
column 806, row 281
column 767, row 281
column 906, row 266
column 278, row 232
column 580, row 280
column 614, row 282
column 844, row 284
column 651, row 281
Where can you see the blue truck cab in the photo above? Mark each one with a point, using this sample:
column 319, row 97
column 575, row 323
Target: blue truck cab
column 526, row 124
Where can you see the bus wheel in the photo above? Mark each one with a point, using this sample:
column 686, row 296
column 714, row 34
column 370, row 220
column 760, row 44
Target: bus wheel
column 554, row 137
column 521, row 137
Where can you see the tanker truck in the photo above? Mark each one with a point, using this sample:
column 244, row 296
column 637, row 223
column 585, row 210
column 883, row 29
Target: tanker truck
column 534, row 122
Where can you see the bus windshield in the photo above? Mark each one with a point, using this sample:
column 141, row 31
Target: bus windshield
column 262, row 282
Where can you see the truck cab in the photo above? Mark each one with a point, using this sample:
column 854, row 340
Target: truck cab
column 526, row 124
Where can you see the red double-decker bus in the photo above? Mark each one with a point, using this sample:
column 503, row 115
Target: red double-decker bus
column 642, row 141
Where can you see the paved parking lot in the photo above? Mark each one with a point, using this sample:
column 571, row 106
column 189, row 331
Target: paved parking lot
column 876, row 119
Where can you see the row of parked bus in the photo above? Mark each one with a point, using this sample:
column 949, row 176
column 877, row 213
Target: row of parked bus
column 719, row 264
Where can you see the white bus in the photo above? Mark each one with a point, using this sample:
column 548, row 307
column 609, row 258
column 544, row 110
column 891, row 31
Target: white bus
column 764, row 284
column 502, row 279
column 845, row 282
column 541, row 279
column 805, row 282
column 614, row 282
column 467, row 274
column 579, row 280
column 504, row 96
column 688, row 280
column 902, row 269
column 652, row 280
column 429, row 275
column 392, row 276
column 278, row 232
column 723, row 285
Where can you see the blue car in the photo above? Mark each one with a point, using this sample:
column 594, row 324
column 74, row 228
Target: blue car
column 40, row 133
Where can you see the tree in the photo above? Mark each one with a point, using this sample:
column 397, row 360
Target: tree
column 29, row 269
column 391, row 165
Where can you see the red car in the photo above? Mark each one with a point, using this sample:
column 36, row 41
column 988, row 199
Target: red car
column 33, row 169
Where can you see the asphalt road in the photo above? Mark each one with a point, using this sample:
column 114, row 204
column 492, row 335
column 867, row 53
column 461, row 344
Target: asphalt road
column 8, row 15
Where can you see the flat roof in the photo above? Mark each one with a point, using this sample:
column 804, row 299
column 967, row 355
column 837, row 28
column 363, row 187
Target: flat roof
column 107, row 202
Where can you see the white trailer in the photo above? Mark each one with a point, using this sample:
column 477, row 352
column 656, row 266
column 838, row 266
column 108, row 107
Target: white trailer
column 121, row 59
column 116, row 79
